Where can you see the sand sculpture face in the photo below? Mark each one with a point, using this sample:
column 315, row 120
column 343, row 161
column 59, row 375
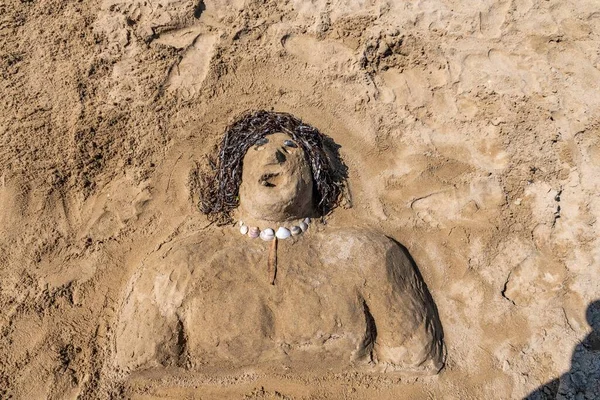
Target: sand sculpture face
column 281, row 182
column 277, row 182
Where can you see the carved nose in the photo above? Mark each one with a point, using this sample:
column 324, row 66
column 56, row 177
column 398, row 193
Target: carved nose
column 280, row 156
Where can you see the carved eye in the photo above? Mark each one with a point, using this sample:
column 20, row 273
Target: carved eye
column 260, row 142
column 290, row 143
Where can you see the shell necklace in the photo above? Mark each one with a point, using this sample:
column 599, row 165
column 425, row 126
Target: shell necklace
column 268, row 234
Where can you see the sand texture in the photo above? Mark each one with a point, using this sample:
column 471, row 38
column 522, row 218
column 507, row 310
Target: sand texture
column 471, row 133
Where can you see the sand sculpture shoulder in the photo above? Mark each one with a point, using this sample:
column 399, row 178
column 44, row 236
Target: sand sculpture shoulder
column 335, row 296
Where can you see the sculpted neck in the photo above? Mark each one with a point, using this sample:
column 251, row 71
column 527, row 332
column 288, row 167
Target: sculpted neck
column 273, row 220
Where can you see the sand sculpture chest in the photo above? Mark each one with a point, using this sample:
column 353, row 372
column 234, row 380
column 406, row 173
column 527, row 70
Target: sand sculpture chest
column 234, row 314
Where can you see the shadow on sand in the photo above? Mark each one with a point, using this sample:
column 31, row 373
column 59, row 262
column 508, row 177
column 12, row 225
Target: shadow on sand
column 582, row 382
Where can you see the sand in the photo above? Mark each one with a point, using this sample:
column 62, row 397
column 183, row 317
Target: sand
column 471, row 132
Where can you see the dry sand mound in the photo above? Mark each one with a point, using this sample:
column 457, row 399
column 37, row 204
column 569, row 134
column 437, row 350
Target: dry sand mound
column 470, row 129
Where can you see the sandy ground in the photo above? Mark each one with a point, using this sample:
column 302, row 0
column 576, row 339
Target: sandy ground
column 471, row 131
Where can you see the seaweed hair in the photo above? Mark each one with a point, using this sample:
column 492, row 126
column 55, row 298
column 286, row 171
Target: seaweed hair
column 219, row 187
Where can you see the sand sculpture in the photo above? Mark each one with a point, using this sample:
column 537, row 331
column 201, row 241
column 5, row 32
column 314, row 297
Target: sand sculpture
column 283, row 290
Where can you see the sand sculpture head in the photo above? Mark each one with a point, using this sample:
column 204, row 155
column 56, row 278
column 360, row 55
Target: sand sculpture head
column 274, row 167
column 277, row 182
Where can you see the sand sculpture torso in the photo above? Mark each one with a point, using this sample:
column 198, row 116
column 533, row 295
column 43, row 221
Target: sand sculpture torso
column 341, row 297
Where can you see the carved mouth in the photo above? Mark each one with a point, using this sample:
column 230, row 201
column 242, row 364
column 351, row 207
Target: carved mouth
column 269, row 180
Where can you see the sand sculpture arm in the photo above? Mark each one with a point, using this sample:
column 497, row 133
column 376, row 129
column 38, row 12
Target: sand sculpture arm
column 149, row 331
column 404, row 322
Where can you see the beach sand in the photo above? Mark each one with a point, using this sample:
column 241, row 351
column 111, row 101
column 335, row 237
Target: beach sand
column 471, row 132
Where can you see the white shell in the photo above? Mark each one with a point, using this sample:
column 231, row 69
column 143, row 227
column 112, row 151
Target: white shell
column 295, row 230
column 267, row 234
column 303, row 226
column 307, row 220
column 283, row 233
column 253, row 232
column 243, row 229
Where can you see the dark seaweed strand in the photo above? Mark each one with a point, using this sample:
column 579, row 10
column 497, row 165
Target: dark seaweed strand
column 220, row 187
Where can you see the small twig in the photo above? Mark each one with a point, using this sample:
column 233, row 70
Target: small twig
column 273, row 261
column 171, row 174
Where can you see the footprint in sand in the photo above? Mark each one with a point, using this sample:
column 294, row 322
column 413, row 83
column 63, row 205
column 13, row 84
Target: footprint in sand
column 186, row 76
